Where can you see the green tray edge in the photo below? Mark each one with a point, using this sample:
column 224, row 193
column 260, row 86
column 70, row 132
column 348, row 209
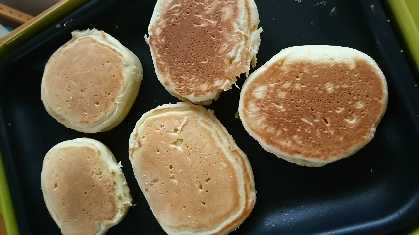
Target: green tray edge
column 403, row 12
column 62, row 8
column 6, row 206
column 406, row 15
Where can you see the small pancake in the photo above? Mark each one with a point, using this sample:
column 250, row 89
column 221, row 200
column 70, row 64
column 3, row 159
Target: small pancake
column 84, row 188
column 200, row 47
column 194, row 177
column 312, row 105
column 90, row 83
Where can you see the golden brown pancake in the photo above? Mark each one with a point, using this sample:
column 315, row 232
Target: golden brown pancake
column 200, row 47
column 84, row 188
column 90, row 83
column 194, row 177
column 313, row 105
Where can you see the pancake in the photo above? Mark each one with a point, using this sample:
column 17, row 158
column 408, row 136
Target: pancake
column 84, row 188
column 194, row 177
column 200, row 47
column 312, row 105
column 90, row 83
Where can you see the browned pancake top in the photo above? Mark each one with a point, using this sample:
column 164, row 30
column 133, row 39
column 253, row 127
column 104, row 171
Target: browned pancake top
column 185, row 176
column 83, row 80
column 315, row 109
column 191, row 43
column 80, row 188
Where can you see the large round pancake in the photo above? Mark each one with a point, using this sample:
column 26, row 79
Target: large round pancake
column 194, row 177
column 84, row 188
column 313, row 105
column 90, row 83
column 200, row 47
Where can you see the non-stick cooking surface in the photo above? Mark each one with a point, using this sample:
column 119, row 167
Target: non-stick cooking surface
column 374, row 191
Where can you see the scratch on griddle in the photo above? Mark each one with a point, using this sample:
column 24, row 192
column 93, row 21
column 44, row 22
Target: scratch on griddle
column 235, row 84
column 333, row 12
column 68, row 22
column 320, row 3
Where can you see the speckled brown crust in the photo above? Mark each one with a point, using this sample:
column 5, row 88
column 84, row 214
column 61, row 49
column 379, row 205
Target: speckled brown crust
column 84, row 189
column 314, row 110
column 90, row 83
column 194, row 177
column 200, row 47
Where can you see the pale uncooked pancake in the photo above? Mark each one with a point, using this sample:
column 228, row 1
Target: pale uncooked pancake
column 90, row 83
column 84, row 188
column 194, row 177
column 313, row 105
column 199, row 48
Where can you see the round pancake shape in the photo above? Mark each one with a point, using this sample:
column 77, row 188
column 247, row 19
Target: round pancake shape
column 90, row 83
column 194, row 177
column 199, row 48
column 315, row 104
column 84, row 189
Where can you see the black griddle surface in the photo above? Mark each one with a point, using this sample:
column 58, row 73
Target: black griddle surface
column 374, row 191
